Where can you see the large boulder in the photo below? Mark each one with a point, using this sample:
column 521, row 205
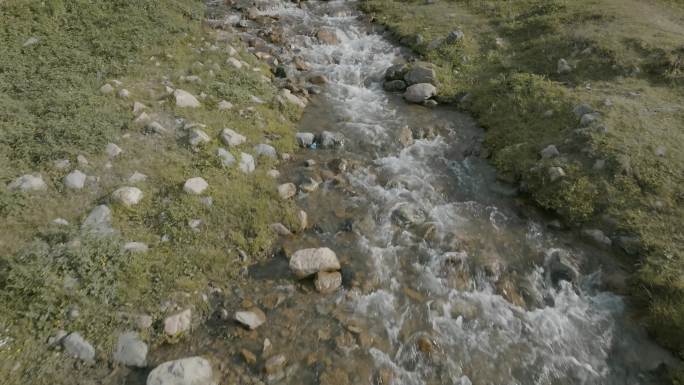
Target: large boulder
column 307, row 262
column 419, row 93
column 186, row 371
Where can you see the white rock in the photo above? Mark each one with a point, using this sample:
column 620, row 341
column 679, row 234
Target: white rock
column 256, row 100
column 225, row 105
column 231, row 51
column 307, row 262
column 273, row 174
column 156, row 128
column 234, row 62
column 123, row 93
column 185, row 99
column 549, row 152
column 186, row 371
column 61, row 164
column 60, row 222
column 198, row 137
column 143, row 118
column 31, row 41
column 252, row 318
column 28, row 183
column 112, row 150
column 232, row 138
column 135, row 247
column 280, row 229
column 178, row 323
column 75, row 180
column 303, row 218
column 563, row 66
column 247, row 163
column 227, row 159
column 131, row 350
column 556, row 173
column 138, row 107
column 265, row 150
column 287, row 190
column 99, row 221
column 137, row 177
column 116, row 83
column 290, row 98
column 127, row 196
column 106, row 89
column 82, row 160
column 195, row 186
column 76, row 346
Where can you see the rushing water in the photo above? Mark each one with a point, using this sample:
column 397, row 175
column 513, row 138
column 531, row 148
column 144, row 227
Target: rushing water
column 448, row 279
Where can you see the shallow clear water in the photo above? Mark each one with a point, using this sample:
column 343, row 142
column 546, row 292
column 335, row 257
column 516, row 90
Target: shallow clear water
column 447, row 276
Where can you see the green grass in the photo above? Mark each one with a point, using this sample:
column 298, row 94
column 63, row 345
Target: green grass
column 628, row 52
column 51, row 108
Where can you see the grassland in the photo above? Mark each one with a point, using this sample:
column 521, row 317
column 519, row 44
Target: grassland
column 625, row 172
column 51, row 109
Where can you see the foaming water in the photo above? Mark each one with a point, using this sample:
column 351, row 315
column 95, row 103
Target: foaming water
column 454, row 282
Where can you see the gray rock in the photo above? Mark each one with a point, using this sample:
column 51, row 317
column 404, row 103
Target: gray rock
column 137, row 177
column 408, row 215
column 265, row 150
column 235, row 63
column 275, row 364
column 135, row 247
column 563, row 67
column 280, row 229
column 99, row 222
column 31, row 41
column 198, row 137
column 225, row 105
column 232, row 138
column 419, row 93
column 275, row 174
column 138, row 107
column 630, row 245
column 106, row 89
column 588, row 119
column 293, row 99
column 185, row 99
column 251, row 318
column 420, row 73
column 76, row 346
column 178, row 323
column 331, row 139
column 131, row 350
column 61, row 164
column 75, row 180
column 60, row 222
column 556, row 173
column 307, row 262
column 57, row 338
column 599, row 165
column 127, row 196
column 28, row 183
column 396, row 72
column 394, row 86
column 597, row 237
column 328, row 282
column 582, row 109
column 549, row 152
column 124, row 93
column 247, row 163
column 661, row 151
column 287, row 190
column 305, row 139
column 112, row 150
column 455, row 36
column 559, row 266
column 227, row 159
column 195, row 186
column 186, row 371
column 82, row 160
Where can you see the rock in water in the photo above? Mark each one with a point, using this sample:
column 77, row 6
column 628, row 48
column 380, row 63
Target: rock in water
column 418, row 93
column 328, row 282
column 421, row 73
column 76, row 346
column 275, row 364
column 308, row 262
column 131, row 350
column 251, row 318
column 185, row 99
column 305, row 139
column 186, row 371
column 287, row 190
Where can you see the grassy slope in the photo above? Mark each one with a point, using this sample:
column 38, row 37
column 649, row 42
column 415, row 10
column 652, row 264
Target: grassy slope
column 50, row 109
column 630, row 52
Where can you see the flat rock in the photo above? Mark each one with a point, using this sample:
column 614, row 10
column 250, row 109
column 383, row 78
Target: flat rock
column 307, row 262
column 127, row 196
column 186, row 371
column 232, row 138
column 328, row 282
column 251, row 318
column 178, row 323
column 28, row 183
column 184, row 99
column 195, row 186
column 76, row 346
column 131, row 350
